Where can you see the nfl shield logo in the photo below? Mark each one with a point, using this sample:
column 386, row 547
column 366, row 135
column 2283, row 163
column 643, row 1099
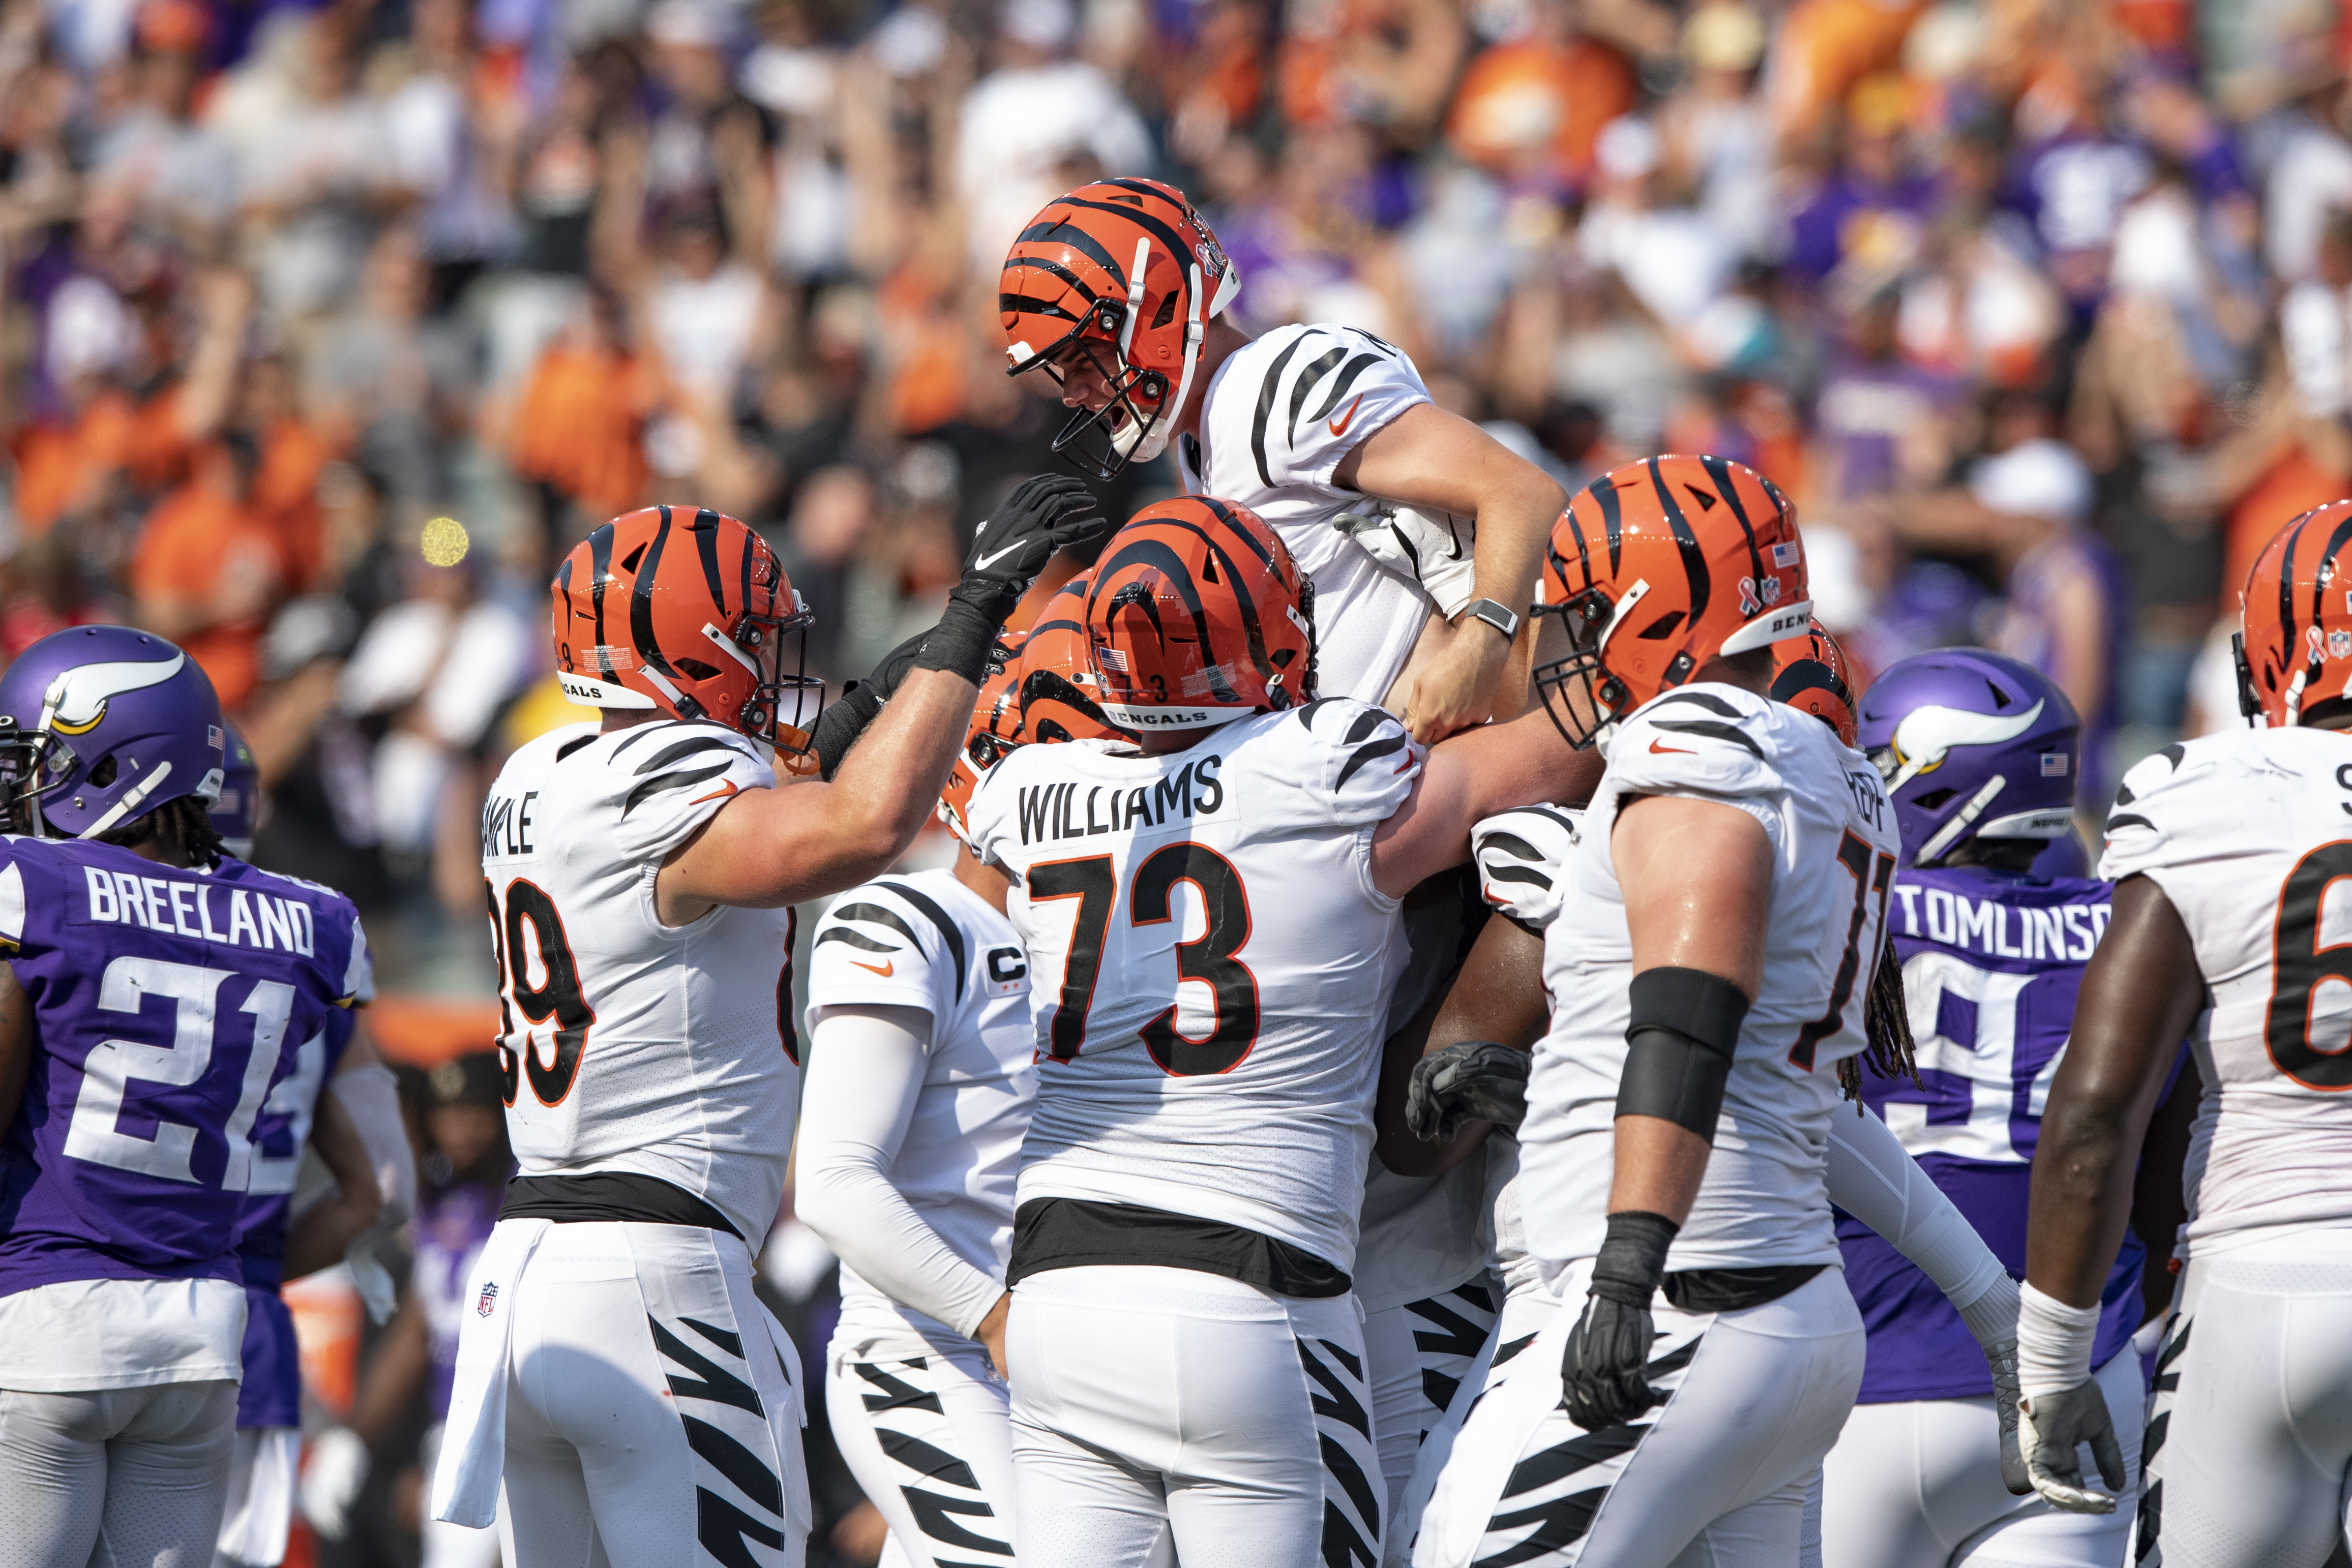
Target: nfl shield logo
column 489, row 1301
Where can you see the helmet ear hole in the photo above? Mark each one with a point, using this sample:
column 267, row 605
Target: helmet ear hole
column 696, row 668
column 1166, row 311
column 104, row 773
column 1934, row 798
column 1663, row 627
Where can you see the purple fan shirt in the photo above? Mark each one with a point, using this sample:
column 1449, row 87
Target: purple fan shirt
column 271, row 1394
column 453, row 1223
column 1990, row 965
column 168, row 1005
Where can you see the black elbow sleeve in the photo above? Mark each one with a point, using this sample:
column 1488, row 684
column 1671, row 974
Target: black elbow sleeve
column 1682, row 1033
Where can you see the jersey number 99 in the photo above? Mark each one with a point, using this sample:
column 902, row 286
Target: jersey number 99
column 555, row 997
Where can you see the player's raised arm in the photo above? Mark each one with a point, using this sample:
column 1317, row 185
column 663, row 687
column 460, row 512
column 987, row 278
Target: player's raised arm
column 885, row 752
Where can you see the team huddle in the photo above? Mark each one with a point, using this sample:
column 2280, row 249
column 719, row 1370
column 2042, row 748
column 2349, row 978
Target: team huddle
column 1389, row 1077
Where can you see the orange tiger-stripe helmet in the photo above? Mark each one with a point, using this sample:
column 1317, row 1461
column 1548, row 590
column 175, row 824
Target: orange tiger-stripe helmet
column 1060, row 695
column 1655, row 568
column 2294, row 653
column 1124, row 273
column 687, row 611
column 1812, row 675
column 1197, row 616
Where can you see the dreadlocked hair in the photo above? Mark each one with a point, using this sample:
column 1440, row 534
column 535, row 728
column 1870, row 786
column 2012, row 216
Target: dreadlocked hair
column 1886, row 1025
column 185, row 824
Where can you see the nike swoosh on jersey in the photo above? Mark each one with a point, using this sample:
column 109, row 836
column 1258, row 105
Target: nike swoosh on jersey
column 1672, row 750
column 885, row 968
column 724, row 790
column 1339, row 426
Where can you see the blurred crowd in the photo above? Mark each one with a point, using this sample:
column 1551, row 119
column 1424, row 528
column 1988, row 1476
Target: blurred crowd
column 327, row 328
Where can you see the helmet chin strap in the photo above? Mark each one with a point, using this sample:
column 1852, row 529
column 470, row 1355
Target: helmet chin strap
column 130, row 802
column 1949, row 833
column 1152, row 444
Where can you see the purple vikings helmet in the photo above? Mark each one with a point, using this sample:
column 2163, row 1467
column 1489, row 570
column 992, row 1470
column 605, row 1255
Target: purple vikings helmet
column 100, row 724
column 236, row 814
column 1971, row 745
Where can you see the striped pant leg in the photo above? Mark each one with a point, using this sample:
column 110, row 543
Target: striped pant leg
column 1751, row 1401
column 654, row 1417
column 1514, row 1330
column 928, row 1434
column 1329, row 1341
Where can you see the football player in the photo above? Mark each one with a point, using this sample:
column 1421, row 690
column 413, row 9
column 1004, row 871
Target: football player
column 616, row 1370
column 1211, row 916
column 1978, row 754
column 1708, row 980
column 920, row 1070
column 2225, row 854
column 309, row 1108
column 156, row 996
column 1118, row 291
column 1524, row 858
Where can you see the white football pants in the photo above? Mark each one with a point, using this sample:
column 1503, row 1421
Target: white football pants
column 1415, row 1356
column 2249, row 1439
column 116, row 1478
column 1917, row 1484
column 653, row 1409
column 1716, row 1477
column 927, row 1433
column 1149, row 1402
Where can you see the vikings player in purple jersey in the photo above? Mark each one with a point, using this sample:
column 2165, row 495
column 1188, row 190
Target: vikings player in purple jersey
column 328, row 1103
column 155, row 996
column 1980, row 754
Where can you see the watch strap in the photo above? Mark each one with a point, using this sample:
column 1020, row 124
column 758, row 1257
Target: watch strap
column 1495, row 614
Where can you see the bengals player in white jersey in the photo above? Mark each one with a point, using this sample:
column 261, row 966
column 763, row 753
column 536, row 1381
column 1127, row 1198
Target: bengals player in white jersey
column 1708, row 980
column 1118, row 291
column 2228, row 854
column 617, row 1382
column 1211, row 920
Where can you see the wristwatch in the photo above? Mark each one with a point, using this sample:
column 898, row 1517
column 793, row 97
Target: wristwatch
column 1494, row 614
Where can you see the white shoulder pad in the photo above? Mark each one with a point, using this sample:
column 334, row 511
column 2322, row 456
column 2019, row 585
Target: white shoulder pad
column 1705, row 740
column 2155, row 803
column 665, row 780
column 888, row 944
column 1313, row 393
column 1524, row 859
column 1355, row 759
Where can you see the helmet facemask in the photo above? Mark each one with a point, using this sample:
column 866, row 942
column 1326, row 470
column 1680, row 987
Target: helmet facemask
column 777, row 714
column 1582, row 696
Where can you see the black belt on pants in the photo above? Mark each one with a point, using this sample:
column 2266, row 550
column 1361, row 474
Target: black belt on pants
column 609, row 1195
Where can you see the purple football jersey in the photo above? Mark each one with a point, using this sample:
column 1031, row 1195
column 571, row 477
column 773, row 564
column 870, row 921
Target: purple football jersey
column 453, row 1223
column 167, row 1005
column 271, row 1394
column 1990, row 965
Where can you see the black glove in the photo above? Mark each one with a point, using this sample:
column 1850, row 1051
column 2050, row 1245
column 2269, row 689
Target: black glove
column 1473, row 1081
column 1044, row 514
column 1604, row 1373
column 2048, row 1428
column 845, row 717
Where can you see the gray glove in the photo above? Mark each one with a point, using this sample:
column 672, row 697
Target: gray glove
column 2002, row 1356
column 2049, row 1428
column 1473, row 1081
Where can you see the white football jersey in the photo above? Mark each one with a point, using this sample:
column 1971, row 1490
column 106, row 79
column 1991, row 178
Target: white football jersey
column 1765, row 1199
column 629, row 1045
column 1276, row 419
column 1527, row 870
column 2248, row 834
column 925, row 941
column 1212, row 965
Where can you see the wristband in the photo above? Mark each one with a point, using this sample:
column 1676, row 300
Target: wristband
column 2054, row 1344
column 1992, row 1313
column 962, row 640
column 1632, row 1257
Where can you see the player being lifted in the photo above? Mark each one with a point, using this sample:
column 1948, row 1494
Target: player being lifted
column 920, row 1070
column 1978, row 754
column 617, row 1372
column 1119, row 290
column 1708, row 978
column 155, row 997
column 2227, row 854
column 1183, row 1355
